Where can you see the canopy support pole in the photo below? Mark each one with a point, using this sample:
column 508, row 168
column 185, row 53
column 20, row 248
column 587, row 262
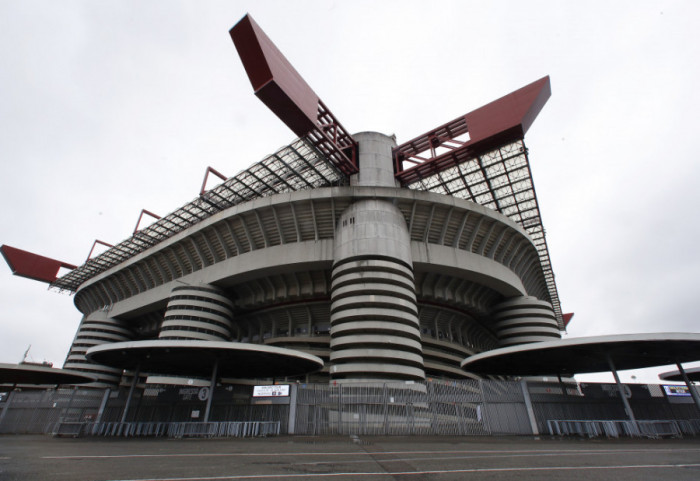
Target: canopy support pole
column 528, row 407
column 212, row 385
column 103, row 405
column 625, row 402
column 691, row 387
column 131, row 392
column 6, row 406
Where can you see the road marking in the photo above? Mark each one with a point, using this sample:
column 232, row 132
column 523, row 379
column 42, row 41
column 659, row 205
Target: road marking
column 415, row 473
column 363, row 453
column 510, row 455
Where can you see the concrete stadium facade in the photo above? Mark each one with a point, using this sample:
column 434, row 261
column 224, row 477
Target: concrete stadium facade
column 382, row 282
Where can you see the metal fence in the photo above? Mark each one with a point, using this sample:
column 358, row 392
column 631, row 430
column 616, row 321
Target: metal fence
column 595, row 409
column 439, row 407
column 27, row 412
column 433, row 407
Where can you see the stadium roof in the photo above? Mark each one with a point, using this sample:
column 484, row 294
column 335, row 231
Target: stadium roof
column 480, row 157
column 295, row 167
column 499, row 179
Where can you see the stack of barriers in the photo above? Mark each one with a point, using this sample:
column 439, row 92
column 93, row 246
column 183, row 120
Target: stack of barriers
column 616, row 428
column 170, row 429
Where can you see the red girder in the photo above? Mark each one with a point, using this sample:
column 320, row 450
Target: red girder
column 138, row 222
column 432, row 140
column 286, row 93
column 502, row 121
column 94, row 244
column 206, row 177
column 33, row 266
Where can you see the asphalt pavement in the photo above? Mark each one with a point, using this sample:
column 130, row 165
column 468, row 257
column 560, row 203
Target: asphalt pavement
column 39, row 458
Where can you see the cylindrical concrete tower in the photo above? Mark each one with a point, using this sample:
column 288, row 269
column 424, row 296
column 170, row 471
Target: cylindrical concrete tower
column 374, row 317
column 525, row 319
column 200, row 312
column 95, row 329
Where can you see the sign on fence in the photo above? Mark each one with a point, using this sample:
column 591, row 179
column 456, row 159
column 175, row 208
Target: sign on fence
column 675, row 390
column 271, row 391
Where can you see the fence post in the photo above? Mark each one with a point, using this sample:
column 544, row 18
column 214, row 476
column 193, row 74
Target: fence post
column 292, row 408
column 101, row 410
column 386, row 409
column 72, row 397
column 6, row 407
column 340, row 409
column 458, row 418
column 432, row 406
column 137, row 372
column 528, row 407
column 484, row 414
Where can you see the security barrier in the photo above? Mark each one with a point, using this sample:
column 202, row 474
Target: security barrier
column 616, row 428
column 237, row 429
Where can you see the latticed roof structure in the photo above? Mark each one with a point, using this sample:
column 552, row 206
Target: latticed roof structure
column 295, row 167
column 499, row 179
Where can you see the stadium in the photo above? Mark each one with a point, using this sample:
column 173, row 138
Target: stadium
column 381, row 261
column 347, row 283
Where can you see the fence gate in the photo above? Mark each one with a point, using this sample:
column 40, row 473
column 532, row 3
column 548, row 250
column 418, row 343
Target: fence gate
column 432, row 407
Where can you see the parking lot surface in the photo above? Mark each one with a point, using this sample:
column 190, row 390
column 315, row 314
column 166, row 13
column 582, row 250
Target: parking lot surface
column 39, row 458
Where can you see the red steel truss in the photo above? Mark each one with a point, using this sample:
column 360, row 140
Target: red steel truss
column 287, row 94
column 148, row 213
column 490, row 167
column 502, row 121
column 94, row 244
column 33, row 266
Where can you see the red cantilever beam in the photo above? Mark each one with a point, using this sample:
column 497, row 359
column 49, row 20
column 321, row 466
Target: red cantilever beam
column 33, row 266
column 502, row 121
column 277, row 83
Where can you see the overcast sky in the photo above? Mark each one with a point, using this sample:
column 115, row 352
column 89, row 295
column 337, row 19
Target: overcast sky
column 113, row 106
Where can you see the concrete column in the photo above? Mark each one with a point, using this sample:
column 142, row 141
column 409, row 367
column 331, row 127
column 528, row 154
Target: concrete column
column 375, row 333
column 376, row 163
column 525, row 319
column 208, row 314
column 97, row 328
